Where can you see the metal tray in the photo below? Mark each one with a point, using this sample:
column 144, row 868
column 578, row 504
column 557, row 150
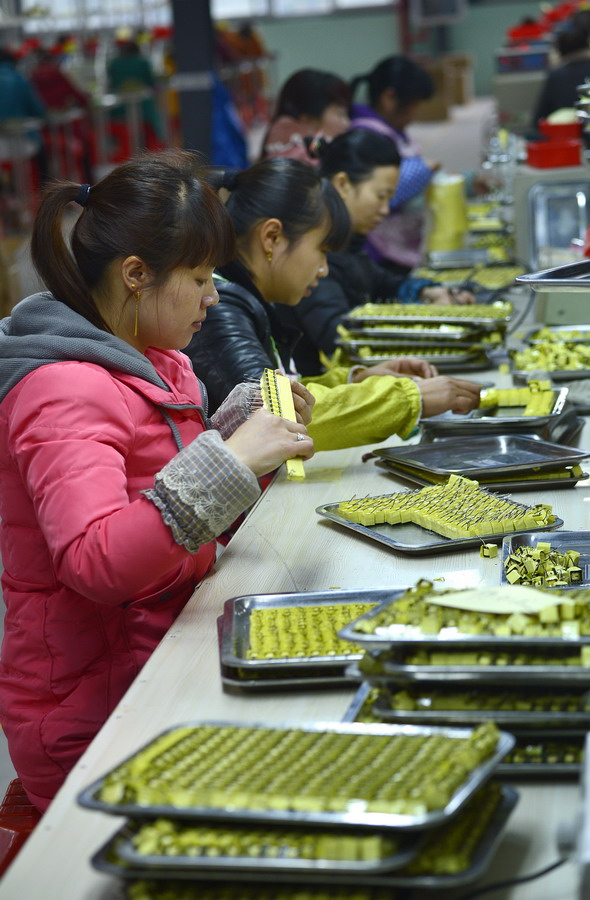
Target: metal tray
column 452, row 638
column 571, row 278
column 565, row 540
column 484, row 454
column 509, row 719
column 478, row 420
column 399, row 673
column 412, row 539
column 583, row 338
column 201, row 865
column 357, row 703
column 474, row 362
column 545, row 769
column 464, row 336
column 237, row 614
column 509, row 485
column 522, row 376
column 562, row 429
column 474, row 321
column 354, row 817
column 108, row 860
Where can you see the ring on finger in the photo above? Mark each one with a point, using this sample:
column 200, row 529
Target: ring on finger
column 300, row 437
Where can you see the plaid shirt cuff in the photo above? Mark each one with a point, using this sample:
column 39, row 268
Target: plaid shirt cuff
column 238, row 406
column 202, row 490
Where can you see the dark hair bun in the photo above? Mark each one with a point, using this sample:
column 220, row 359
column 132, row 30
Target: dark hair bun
column 316, row 145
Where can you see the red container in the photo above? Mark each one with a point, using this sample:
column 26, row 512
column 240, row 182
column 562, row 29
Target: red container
column 552, row 154
column 560, row 132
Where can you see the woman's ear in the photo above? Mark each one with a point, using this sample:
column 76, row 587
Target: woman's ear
column 270, row 233
column 135, row 273
column 342, row 183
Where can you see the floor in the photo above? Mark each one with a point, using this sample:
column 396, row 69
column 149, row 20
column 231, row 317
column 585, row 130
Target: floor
column 456, row 143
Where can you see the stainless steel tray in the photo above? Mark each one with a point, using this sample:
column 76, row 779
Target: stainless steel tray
column 571, row 278
column 565, row 540
column 401, row 673
column 109, row 860
column 450, row 638
column 543, row 770
column 558, row 330
column 412, row 539
column 202, row 866
column 562, row 429
column 414, row 478
column 358, row 701
column 478, row 421
column 354, row 817
column 463, row 317
column 509, row 719
column 484, row 454
column 474, row 362
column 237, row 614
column 464, row 336
column 522, row 376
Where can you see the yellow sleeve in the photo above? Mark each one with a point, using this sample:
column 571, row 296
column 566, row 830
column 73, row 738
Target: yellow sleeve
column 349, row 415
column 331, row 378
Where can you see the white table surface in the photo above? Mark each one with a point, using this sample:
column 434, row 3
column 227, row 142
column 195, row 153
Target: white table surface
column 283, row 546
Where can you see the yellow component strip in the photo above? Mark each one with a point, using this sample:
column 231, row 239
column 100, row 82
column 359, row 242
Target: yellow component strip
column 278, row 399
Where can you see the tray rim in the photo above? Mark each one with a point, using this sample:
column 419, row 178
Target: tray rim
column 546, row 280
column 330, row 598
column 509, row 797
column 476, row 675
column 280, row 865
column 544, row 484
column 351, row 819
column 510, row 422
column 516, row 642
column 503, row 718
column 443, row 545
column 576, row 454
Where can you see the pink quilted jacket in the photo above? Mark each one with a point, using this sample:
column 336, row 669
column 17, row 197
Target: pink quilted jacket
column 92, row 577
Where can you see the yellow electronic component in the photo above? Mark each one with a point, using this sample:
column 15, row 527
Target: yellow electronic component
column 278, row 399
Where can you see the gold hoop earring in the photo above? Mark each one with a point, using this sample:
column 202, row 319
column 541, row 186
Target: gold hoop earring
column 269, row 256
column 137, row 297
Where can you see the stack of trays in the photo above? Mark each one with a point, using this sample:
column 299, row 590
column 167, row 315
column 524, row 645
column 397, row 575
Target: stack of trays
column 498, row 462
column 329, row 809
column 457, row 667
column 281, row 641
column 453, row 337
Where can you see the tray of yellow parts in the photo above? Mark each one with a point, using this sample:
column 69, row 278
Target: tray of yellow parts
column 346, row 776
column 491, row 315
column 562, row 360
column 445, row 617
column 285, row 638
column 487, row 277
column 452, row 855
column 454, row 515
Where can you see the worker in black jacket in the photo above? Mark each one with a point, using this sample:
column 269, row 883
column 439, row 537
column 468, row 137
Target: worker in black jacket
column 363, row 167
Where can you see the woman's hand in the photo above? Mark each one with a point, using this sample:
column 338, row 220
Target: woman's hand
column 444, row 393
column 438, row 295
column 410, row 366
column 303, row 402
column 265, row 441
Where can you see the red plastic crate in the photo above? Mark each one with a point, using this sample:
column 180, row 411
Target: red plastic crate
column 572, row 130
column 551, row 154
column 18, row 818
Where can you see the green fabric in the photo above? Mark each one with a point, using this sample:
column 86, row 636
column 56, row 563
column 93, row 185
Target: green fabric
column 350, row 415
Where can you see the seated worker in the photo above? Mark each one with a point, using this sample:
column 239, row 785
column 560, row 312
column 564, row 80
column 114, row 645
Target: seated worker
column 286, row 219
column 364, row 168
column 560, row 88
column 311, row 103
column 113, row 483
column 396, row 87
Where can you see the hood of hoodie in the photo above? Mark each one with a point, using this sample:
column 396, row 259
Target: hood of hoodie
column 42, row 330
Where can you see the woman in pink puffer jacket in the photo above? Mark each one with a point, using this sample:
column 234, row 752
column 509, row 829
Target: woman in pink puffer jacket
column 113, row 482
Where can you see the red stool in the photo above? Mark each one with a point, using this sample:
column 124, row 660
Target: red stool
column 18, row 817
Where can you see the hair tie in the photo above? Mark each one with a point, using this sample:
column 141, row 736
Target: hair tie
column 83, row 194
